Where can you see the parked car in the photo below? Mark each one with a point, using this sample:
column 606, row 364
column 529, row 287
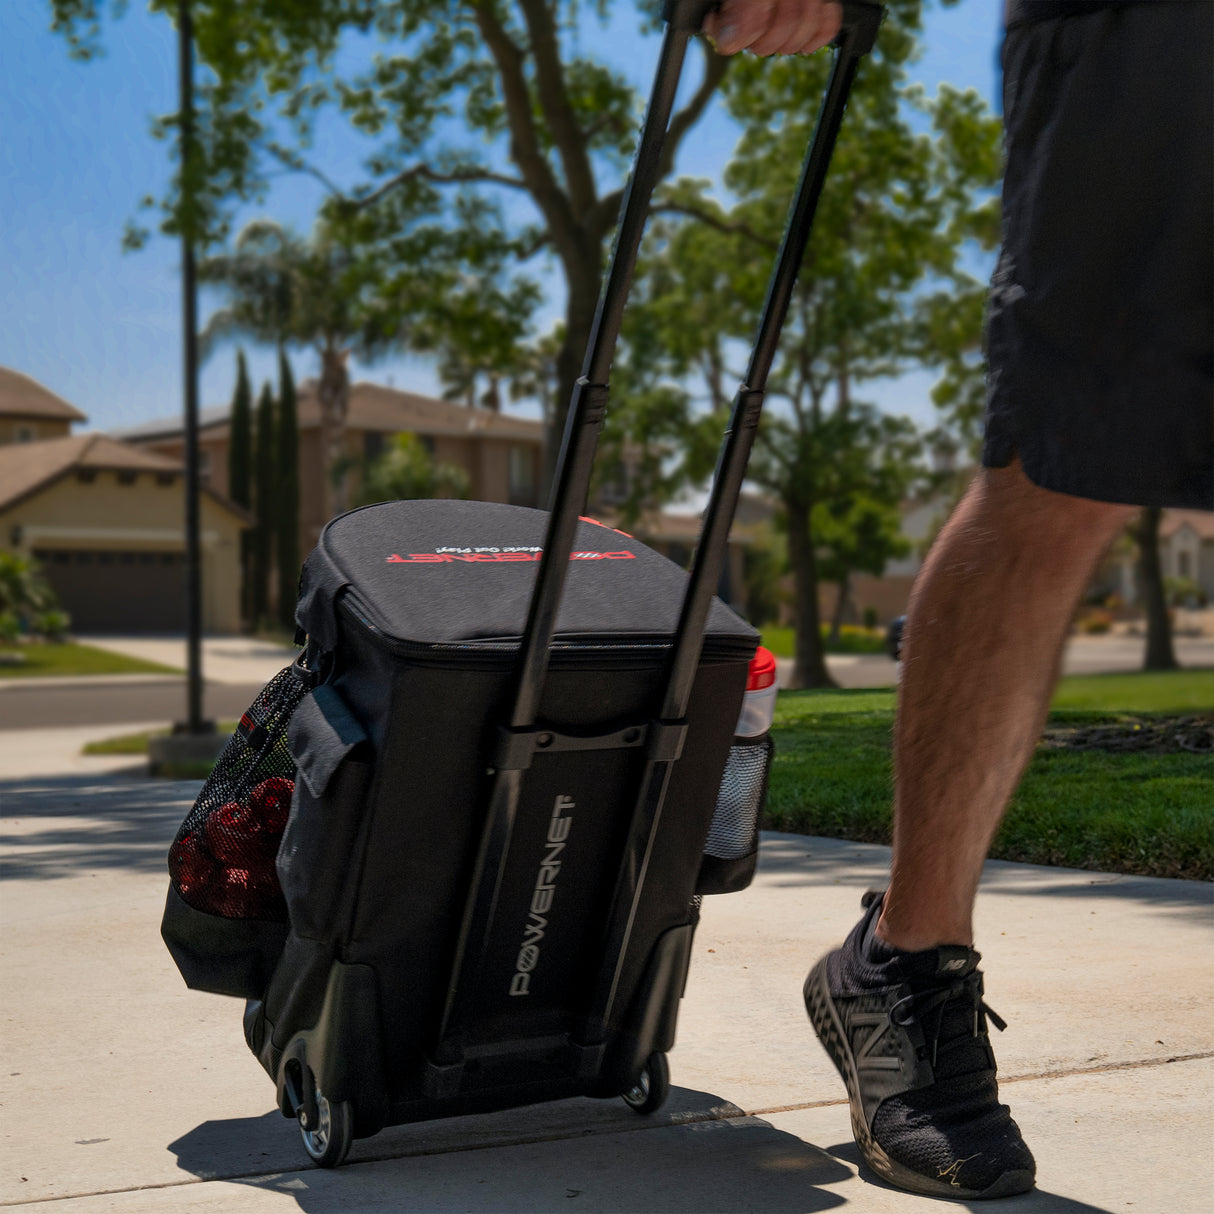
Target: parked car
column 893, row 637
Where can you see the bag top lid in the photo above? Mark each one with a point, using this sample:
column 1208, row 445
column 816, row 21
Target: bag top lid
column 444, row 572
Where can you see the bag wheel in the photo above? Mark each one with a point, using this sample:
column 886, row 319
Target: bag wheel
column 328, row 1141
column 652, row 1086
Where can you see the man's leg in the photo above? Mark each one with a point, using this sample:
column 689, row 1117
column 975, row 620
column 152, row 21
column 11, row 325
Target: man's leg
column 987, row 621
column 899, row 1006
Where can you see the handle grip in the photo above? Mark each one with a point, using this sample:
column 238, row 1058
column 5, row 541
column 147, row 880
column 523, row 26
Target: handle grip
column 861, row 19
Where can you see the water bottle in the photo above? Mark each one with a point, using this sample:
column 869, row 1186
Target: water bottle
column 759, row 702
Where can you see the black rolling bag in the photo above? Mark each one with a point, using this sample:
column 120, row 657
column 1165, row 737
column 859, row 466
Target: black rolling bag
column 510, row 758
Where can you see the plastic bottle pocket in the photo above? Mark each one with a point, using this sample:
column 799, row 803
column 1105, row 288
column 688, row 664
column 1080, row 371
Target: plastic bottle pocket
column 732, row 849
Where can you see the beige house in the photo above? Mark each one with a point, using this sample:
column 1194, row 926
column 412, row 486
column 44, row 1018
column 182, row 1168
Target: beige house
column 501, row 454
column 1186, row 552
column 107, row 523
column 29, row 412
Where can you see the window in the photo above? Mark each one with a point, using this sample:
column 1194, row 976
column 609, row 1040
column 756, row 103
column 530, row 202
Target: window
column 86, row 476
column 1183, row 566
column 522, row 476
column 127, row 478
column 25, row 434
column 373, row 445
column 165, row 479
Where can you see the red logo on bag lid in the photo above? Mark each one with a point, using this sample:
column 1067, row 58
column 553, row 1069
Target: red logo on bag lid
column 762, row 670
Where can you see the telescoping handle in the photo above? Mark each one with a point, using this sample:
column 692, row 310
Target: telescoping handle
column 587, row 408
column 588, row 405
column 856, row 37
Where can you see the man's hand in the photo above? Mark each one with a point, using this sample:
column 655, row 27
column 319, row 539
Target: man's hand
column 773, row 27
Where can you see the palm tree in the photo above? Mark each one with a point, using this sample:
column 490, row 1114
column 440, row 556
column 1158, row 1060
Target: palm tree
column 317, row 293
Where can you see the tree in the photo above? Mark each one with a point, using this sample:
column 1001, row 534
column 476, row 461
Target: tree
column 911, row 183
column 1159, row 653
column 320, row 293
column 240, row 436
column 286, row 545
column 264, row 485
column 861, row 531
column 539, row 121
column 240, row 469
column 27, row 599
column 407, row 470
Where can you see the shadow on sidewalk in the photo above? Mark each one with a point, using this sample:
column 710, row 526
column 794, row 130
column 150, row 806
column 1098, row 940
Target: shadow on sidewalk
column 1037, row 1202
column 737, row 1163
column 622, row 1164
column 62, row 826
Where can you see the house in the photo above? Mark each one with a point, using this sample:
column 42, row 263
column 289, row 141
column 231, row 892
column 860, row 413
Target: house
column 676, row 535
column 107, row 523
column 1186, row 553
column 29, row 412
column 501, row 454
column 1186, row 543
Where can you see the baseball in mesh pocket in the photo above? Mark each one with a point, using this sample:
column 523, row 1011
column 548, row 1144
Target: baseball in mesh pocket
column 222, row 860
column 734, row 833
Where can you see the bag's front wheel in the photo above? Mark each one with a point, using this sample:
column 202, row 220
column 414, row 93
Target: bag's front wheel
column 652, row 1086
column 328, row 1141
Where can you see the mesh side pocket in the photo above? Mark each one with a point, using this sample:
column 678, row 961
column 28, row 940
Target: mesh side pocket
column 222, row 860
column 732, row 849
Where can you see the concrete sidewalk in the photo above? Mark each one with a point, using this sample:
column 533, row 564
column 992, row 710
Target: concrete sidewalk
column 125, row 1092
column 225, row 659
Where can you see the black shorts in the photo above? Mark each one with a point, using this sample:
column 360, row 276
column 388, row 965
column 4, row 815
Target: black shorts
column 1100, row 325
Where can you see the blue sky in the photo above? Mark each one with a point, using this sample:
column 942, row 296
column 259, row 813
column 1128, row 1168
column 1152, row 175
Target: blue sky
column 102, row 328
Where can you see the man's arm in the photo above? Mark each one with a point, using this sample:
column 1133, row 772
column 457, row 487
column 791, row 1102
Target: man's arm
column 773, row 27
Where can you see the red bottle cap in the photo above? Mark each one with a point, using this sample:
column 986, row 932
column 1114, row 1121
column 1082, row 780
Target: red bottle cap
column 762, row 670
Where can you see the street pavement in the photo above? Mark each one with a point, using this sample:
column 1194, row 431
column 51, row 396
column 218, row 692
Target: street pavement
column 125, row 1093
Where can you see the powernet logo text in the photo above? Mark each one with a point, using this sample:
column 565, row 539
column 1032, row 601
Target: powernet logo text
column 559, row 826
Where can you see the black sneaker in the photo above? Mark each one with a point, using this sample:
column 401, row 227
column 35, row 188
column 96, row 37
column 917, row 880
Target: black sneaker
column 907, row 1031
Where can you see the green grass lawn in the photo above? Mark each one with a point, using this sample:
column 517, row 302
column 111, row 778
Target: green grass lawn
column 137, row 743
column 71, row 659
column 852, row 639
column 1121, row 812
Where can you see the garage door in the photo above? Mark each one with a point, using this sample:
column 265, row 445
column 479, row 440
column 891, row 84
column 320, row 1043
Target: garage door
column 118, row 591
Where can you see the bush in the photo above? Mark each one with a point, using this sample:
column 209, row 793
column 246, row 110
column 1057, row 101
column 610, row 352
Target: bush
column 854, row 639
column 27, row 601
column 1183, row 592
column 1095, row 622
column 53, row 625
column 10, row 627
column 870, row 618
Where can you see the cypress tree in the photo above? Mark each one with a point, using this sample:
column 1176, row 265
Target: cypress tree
column 287, row 504
column 240, row 436
column 263, row 505
column 240, row 461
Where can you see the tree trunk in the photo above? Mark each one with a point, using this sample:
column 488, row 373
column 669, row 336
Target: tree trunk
column 836, row 622
column 809, row 666
column 333, row 392
column 583, row 280
column 1159, row 652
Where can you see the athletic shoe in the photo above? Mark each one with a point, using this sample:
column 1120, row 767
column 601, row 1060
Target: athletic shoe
column 907, row 1032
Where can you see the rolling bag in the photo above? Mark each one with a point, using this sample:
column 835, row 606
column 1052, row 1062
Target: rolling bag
column 510, row 760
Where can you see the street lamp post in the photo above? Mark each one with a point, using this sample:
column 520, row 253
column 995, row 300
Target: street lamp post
column 194, row 723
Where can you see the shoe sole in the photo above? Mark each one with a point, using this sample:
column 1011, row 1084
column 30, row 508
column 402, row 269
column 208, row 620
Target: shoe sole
column 824, row 1017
